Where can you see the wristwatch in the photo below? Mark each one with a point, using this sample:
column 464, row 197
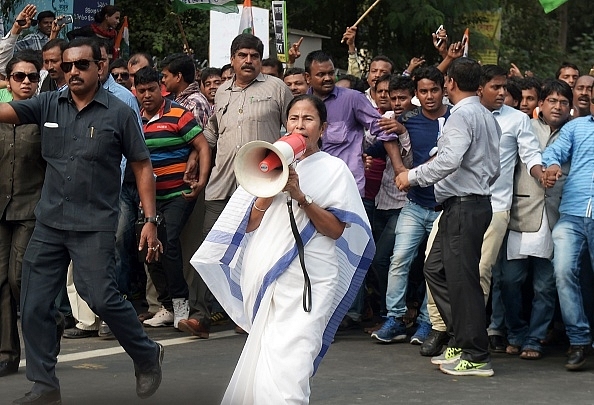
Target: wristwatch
column 307, row 202
column 152, row 220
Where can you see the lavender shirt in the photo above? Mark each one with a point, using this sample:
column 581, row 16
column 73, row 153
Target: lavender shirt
column 349, row 114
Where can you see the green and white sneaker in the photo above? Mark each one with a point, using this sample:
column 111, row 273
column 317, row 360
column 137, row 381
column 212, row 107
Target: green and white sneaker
column 450, row 355
column 465, row 367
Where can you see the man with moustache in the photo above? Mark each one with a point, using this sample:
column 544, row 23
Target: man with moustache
column 52, row 57
column 84, row 132
column 581, row 96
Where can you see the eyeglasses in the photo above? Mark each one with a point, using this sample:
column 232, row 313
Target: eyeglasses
column 554, row 101
column 123, row 75
column 81, row 64
column 20, row 76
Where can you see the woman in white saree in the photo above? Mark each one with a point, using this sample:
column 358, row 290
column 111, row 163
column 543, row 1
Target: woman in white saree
column 250, row 262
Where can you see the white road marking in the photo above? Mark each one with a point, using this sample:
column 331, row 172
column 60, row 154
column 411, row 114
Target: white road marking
column 118, row 349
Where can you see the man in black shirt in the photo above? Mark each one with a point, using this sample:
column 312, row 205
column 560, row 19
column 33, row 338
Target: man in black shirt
column 84, row 132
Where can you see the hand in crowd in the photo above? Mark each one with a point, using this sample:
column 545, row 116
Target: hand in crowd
column 367, row 161
column 442, row 47
column 191, row 178
column 391, row 126
column 514, row 71
column 294, row 52
column 148, row 237
column 456, row 50
column 349, row 38
column 292, row 186
column 415, row 63
column 23, row 19
column 401, row 181
column 550, row 176
column 56, row 28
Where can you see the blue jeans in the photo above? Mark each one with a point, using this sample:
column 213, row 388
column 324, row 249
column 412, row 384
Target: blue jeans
column 414, row 225
column 519, row 332
column 572, row 235
column 383, row 250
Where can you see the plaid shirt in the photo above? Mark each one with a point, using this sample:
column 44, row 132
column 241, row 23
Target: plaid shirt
column 192, row 99
column 34, row 41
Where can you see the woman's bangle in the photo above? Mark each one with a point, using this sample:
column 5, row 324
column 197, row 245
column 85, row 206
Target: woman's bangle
column 258, row 209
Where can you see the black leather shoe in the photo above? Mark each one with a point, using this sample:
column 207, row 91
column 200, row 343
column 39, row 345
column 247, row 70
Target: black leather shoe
column 576, row 357
column 497, row 344
column 76, row 333
column 8, row 367
column 147, row 383
column 434, row 343
column 44, row 398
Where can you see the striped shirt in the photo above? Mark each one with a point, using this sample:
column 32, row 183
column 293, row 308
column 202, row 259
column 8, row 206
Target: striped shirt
column 168, row 136
column 575, row 144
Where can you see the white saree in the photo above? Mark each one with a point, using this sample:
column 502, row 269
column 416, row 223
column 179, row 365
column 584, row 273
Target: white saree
column 258, row 280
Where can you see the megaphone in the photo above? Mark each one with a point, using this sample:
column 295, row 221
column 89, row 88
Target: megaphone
column 262, row 168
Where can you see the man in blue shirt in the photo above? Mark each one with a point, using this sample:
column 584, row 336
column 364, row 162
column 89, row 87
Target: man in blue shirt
column 574, row 232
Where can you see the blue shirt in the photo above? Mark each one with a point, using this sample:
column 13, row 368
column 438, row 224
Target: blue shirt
column 423, row 133
column 575, row 143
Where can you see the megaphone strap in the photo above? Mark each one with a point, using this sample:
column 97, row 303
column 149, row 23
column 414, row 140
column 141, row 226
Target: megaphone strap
column 300, row 250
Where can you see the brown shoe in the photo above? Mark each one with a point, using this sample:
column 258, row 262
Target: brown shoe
column 194, row 327
column 145, row 315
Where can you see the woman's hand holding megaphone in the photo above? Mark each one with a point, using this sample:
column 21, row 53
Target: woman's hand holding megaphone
column 292, row 186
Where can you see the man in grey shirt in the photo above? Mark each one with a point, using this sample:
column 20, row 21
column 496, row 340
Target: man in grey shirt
column 466, row 166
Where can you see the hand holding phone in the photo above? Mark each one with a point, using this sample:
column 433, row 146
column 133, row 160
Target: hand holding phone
column 65, row 19
column 439, row 40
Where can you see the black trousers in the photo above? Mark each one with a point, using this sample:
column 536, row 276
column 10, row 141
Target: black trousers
column 452, row 274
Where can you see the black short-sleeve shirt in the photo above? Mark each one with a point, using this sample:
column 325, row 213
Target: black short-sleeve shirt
column 83, row 150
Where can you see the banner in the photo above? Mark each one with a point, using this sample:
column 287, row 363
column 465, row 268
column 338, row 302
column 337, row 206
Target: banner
column 222, row 6
column 550, row 5
column 279, row 22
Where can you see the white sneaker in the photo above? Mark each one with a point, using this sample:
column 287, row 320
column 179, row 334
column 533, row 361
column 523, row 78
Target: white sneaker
column 161, row 318
column 181, row 310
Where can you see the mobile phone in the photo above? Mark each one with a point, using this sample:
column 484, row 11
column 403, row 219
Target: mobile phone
column 66, row 19
column 437, row 33
column 22, row 23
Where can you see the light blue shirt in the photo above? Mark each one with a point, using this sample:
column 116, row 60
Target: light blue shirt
column 575, row 143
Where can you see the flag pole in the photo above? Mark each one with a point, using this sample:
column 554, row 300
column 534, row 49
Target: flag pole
column 363, row 15
column 187, row 49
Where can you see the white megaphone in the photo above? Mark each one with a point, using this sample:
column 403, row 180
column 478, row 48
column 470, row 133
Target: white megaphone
column 262, row 168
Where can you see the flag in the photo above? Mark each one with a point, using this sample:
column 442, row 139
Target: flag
column 550, row 5
column 122, row 41
column 222, row 6
column 465, row 40
column 246, row 25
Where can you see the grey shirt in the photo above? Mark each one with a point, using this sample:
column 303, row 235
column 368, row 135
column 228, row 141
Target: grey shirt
column 242, row 115
column 83, row 150
column 467, row 160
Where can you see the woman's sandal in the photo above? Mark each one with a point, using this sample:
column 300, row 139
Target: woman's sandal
column 513, row 350
column 530, row 354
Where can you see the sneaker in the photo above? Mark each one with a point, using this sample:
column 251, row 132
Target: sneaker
column 434, row 343
column 421, row 334
column 393, row 330
column 181, row 310
column 465, row 367
column 219, row 318
column 161, row 318
column 105, row 331
column 451, row 355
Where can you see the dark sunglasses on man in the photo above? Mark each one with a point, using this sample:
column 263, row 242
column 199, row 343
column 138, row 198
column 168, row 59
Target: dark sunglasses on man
column 124, row 75
column 20, row 76
column 81, row 64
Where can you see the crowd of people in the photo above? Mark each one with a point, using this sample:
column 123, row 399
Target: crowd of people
column 448, row 206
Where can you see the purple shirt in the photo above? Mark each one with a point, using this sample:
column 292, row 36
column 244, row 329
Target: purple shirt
column 349, row 114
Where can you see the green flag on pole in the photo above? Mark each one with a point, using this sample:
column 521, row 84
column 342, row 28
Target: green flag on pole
column 550, row 5
column 222, row 6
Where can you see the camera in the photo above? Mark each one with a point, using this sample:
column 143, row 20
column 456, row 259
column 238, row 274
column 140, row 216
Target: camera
column 66, row 19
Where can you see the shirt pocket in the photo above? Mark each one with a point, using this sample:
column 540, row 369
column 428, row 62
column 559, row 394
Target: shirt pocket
column 98, row 143
column 52, row 142
column 335, row 134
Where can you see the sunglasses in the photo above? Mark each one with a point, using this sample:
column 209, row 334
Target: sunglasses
column 20, row 76
column 82, row 65
column 123, row 75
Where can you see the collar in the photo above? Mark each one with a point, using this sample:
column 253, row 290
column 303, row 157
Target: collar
column 333, row 94
column 231, row 86
column 165, row 108
column 464, row 101
column 100, row 96
column 192, row 88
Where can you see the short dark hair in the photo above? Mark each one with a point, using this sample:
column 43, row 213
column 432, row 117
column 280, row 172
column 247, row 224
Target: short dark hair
column 316, row 102
column 513, row 88
column 118, row 63
column 180, row 63
column 248, row 41
column 275, row 63
column 555, row 86
column 566, row 65
column 46, row 14
column 528, row 83
column 294, row 71
column 56, row 42
column 85, row 41
column 355, row 82
column 106, row 11
column 226, row 67
column 208, row 72
column 27, row 55
column 135, row 59
column 466, row 73
column 383, row 58
column 430, row 73
column 383, row 78
column 402, row 83
column 489, row 72
column 146, row 75
column 316, row 56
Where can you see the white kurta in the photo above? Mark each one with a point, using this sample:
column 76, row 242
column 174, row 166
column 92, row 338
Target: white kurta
column 258, row 279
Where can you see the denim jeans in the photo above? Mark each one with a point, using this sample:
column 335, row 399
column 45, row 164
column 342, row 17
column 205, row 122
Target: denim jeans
column 527, row 335
column 572, row 235
column 414, row 225
column 383, row 250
